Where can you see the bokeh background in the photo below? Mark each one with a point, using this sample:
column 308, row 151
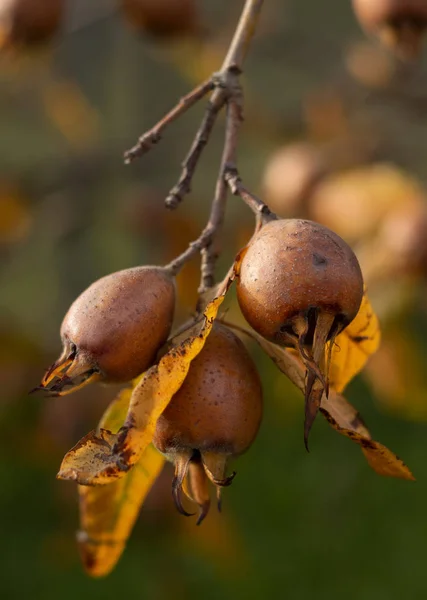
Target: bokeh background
column 335, row 130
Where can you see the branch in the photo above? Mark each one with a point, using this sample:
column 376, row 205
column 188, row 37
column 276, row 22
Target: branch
column 257, row 206
column 154, row 135
column 183, row 187
column 226, row 82
column 226, row 91
column 210, row 252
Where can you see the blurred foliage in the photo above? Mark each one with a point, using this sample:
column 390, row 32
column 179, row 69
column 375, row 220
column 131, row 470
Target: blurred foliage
column 293, row 524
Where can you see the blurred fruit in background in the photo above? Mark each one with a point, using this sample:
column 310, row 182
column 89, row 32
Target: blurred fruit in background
column 290, row 175
column 29, row 22
column 370, row 65
column 354, row 203
column 400, row 247
column 162, row 18
column 399, row 24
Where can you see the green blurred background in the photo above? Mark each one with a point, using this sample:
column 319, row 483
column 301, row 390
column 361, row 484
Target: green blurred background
column 294, row 525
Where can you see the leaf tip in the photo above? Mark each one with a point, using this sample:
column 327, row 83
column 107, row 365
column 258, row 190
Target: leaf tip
column 67, row 475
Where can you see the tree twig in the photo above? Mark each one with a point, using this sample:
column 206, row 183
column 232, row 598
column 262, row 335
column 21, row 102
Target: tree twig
column 226, row 91
column 231, row 175
column 154, row 135
column 258, row 207
column 211, row 251
column 183, row 187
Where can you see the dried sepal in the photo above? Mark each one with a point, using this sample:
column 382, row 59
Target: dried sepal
column 195, row 487
column 193, row 472
column 182, row 463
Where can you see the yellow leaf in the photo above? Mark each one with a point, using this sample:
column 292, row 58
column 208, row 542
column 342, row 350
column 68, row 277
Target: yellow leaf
column 108, row 513
column 102, row 456
column 354, row 346
column 339, row 413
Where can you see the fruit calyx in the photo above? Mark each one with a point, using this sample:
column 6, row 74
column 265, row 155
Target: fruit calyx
column 71, row 372
column 192, row 474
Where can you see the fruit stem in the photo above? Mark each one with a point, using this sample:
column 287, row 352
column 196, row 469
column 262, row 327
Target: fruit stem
column 257, row 206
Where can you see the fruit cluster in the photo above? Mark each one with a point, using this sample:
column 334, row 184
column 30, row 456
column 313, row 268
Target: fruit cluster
column 194, row 391
column 299, row 285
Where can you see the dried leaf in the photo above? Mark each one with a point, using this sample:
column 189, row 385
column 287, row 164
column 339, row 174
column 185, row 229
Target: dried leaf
column 354, row 346
column 102, row 456
column 339, row 413
column 344, row 414
column 379, row 457
column 108, row 513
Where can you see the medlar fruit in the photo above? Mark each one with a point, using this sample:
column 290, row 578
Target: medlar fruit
column 114, row 329
column 299, row 285
column 214, row 416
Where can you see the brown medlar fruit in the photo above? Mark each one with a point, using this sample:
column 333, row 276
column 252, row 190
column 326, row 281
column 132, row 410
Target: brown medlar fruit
column 162, row 18
column 114, row 329
column 299, row 285
column 214, row 416
column 400, row 24
column 290, row 176
column 28, row 22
